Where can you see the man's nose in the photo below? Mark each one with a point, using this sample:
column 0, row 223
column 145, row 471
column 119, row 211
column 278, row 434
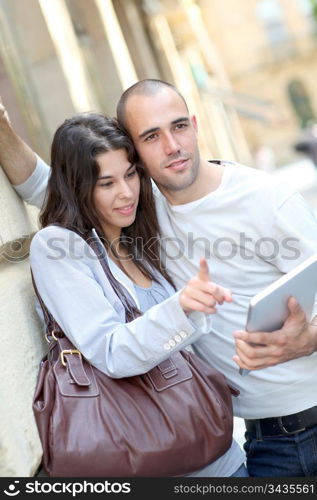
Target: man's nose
column 171, row 145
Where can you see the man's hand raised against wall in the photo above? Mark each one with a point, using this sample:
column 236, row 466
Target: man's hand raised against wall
column 16, row 158
column 3, row 111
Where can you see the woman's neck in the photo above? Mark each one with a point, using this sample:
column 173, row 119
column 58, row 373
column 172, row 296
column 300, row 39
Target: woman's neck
column 121, row 256
column 113, row 236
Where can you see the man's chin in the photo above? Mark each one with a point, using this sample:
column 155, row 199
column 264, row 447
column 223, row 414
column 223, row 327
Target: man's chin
column 179, row 183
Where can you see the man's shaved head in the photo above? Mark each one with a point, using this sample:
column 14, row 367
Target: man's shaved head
column 146, row 87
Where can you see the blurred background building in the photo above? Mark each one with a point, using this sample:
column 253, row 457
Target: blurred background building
column 247, row 69
column 59, row 57
column 268, row 48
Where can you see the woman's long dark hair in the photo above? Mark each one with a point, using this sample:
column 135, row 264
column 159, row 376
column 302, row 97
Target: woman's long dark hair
column 69, row 200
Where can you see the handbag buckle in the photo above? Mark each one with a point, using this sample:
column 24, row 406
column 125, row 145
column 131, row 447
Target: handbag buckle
column 52, row 334
column 68, row 351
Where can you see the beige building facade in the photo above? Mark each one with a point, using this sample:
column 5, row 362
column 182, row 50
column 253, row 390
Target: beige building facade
column 57, row 58
column 269, row 51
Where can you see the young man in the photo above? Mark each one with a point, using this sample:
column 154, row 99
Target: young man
column 252, row 231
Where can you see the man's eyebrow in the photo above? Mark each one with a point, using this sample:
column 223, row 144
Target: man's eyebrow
column 148, row 131
column 111, row 176
column 155, row 129
column 179, row 120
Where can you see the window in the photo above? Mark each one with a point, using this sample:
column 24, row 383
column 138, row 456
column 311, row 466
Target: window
column 301, row 102
column 270, row 12
column 309, row 9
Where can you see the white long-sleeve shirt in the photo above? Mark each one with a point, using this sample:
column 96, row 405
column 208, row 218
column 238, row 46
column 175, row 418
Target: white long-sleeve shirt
column 252, row 231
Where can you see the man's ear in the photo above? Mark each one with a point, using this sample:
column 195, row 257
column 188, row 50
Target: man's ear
column 194, row 122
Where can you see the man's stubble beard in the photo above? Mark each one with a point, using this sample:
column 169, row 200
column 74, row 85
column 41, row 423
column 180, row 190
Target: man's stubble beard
column 182, row 185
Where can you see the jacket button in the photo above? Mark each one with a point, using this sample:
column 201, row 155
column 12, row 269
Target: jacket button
column 172, row 343
column 183, row 334
column 166, row 347
column 178, row 338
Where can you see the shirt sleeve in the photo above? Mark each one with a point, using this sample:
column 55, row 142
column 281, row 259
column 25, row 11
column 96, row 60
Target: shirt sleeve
column 80, row 298
column 34, row 188
column 295, row 230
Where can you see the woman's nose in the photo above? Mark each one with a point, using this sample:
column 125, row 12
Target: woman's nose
column 125, row 190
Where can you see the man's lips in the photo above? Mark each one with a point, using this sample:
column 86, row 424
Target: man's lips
column 126, row 209
column 178, row 164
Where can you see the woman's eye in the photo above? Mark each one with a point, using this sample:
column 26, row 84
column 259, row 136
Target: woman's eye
column 132, row 174
column 106, row 184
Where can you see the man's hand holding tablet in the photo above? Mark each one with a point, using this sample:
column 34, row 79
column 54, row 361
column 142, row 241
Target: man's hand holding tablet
column 279, row 326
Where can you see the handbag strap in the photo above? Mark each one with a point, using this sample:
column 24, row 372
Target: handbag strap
column 131, row 309
column 52, row 327
column 73, row 359
column 53, row 330
column 66, row 350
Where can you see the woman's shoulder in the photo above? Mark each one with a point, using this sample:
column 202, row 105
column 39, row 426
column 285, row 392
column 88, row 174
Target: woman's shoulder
column 55, row 238
column 54, row 231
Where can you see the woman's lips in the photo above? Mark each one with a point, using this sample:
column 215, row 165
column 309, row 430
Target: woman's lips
column 126, row 210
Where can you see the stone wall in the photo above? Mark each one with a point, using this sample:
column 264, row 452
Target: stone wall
column 22, row 344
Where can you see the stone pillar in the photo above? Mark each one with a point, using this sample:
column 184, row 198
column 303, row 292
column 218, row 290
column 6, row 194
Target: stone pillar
column 22, row 338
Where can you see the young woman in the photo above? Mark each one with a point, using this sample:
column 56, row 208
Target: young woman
column 129, row 319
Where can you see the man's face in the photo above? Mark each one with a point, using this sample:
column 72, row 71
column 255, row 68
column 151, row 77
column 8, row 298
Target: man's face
column 165, row 137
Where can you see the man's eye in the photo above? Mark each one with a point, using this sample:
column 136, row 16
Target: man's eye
column 181, row 125
column 150, row 137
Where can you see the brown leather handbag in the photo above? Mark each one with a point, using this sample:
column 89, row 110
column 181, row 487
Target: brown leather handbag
column 171, row 421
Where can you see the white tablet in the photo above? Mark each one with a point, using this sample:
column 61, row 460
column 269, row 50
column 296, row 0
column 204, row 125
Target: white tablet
column 268, row 309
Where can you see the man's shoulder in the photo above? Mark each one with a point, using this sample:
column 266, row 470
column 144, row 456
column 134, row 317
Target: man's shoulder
column 240, row 175
column 245, row 172
column 248, row 185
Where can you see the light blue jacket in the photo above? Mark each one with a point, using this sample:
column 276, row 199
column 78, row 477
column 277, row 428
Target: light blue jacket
column 75, row 289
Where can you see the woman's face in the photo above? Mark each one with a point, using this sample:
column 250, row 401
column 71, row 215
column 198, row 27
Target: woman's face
column 116, row 193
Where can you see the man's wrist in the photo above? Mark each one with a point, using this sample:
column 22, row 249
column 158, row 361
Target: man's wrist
column 4, row 118
column 312, row 329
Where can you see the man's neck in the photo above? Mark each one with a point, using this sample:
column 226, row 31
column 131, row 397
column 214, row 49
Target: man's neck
column 208, row 180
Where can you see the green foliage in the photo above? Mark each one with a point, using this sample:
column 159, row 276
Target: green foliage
column 314, row 8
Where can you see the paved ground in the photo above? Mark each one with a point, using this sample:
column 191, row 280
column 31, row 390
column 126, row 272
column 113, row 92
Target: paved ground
column 302, row 176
